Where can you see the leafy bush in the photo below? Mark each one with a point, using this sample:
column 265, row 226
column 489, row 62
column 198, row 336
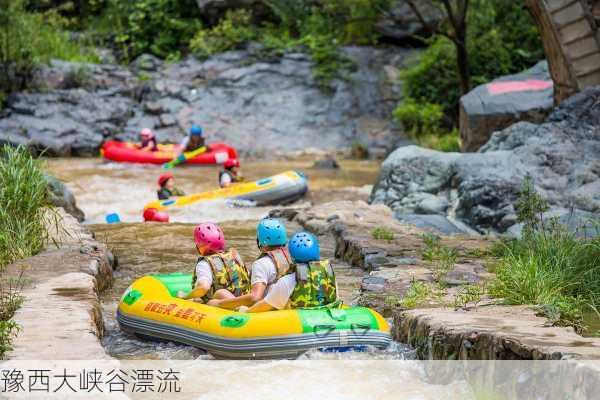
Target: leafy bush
column 28, row 39
column 161, row 27
column 23, row 195
column 418, row 294
column 382, row 234
column 549, row 266
column 234, row 30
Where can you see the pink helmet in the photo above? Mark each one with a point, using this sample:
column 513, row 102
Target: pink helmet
column 147, row 132
column 209, row 238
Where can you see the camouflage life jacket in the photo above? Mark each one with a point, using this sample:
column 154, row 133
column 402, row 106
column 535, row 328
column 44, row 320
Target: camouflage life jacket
column 229, row 272
column 315, row 285
column 282, row 260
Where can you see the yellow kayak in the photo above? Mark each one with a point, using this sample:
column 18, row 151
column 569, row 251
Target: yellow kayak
column 282, row 188
column 149, row 307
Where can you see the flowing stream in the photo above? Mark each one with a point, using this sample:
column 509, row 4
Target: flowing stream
column 144, row 248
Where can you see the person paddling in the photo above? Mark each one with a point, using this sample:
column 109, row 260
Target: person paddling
column 218, row 274
column 166, row 187
column 148, row 140
column 230, row 173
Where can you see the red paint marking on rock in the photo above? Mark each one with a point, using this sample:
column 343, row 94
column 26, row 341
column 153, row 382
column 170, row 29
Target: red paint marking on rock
column 495, row 88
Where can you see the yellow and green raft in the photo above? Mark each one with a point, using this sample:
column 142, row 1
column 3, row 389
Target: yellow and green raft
column 282, row 188
column 150, row 307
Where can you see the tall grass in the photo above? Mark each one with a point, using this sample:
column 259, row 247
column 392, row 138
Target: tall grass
column 23, row 195
column 550, row 266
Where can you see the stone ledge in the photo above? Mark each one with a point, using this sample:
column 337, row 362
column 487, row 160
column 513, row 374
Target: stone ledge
column 490, row 333
column 61, row 316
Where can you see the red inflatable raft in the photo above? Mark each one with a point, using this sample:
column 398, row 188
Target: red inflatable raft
column 112, row 150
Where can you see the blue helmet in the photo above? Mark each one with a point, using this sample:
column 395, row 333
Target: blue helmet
column 195, row 130
column 304, row 247
column 271, row 232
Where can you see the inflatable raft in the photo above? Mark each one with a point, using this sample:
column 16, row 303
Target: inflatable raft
column 282, row 188
column 129, row 152
column 150, row 308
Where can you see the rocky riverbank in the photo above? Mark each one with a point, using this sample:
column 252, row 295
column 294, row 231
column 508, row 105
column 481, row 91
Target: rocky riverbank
column 449, row 190
column 431, row 296
column 262, row 105
column 61, row 317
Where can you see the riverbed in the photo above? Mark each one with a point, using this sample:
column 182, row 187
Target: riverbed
column 145, row 248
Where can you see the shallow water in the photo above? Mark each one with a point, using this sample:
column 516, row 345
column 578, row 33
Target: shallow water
column 162, row 248
column 102, row 188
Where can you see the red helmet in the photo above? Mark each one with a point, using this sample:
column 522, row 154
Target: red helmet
column 147, row 133
column 163, row 178
column 231, row 163
column 209, row 238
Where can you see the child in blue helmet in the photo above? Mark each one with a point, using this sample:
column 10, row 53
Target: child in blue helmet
column 194, row 140
column 271, row 275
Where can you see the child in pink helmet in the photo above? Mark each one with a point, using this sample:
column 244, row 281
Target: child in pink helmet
column 148, row 140
column 219, row 274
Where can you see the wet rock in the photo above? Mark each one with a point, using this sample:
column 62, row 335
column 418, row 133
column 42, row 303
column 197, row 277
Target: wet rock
column 147, row 62
column 432, row 205
column 260, row 106
column 492, row 332
column 435, row 223
column 466, row 274
column 61, row 196
column 328, row 162
column 373, row 284
column 64, row 122
column 412, row 171
column 561, row 155
column 493, row 106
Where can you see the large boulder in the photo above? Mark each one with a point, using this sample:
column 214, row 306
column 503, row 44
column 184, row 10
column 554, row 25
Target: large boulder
column 527, row 96
column 60, row 196
column 261, row 106
column 561, row 155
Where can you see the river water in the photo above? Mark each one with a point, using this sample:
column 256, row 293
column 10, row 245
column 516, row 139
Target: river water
column 144, row 248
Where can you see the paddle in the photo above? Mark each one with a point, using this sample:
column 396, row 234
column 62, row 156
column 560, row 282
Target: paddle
column 183, row 157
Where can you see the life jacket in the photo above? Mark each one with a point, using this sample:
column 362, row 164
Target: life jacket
column 234, row 177
column 282, row 260
column 145, row 143
column 164, row 193
column 229, row 272
column 194, row 142
column 315, row 285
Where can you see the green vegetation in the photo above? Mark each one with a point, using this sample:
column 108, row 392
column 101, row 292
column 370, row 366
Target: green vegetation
column 468, row 294
column 23, row 196
column 501, row 39
column 161, row 27
column 442, row 257
column 382, row 234
column 28, row 39
column 233, row 31
column 417, row 294
column 549, row 267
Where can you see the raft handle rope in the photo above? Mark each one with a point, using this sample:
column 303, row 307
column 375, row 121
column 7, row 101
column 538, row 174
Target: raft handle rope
column 363, row 328
column 327, row 329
